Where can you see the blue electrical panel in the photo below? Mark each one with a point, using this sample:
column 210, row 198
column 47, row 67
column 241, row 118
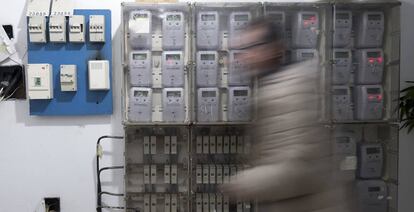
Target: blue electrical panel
column 83, row 101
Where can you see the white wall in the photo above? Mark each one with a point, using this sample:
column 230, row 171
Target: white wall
column 54, row 156
column 406, row 159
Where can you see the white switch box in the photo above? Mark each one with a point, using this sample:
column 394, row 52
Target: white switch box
column 57, row 29
column 97, row 28
column 37, row 29
column 40, row 81
column 77, row 29
column 98, row 75
column 68, row 78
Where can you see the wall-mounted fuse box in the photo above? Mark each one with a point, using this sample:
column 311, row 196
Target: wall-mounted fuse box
column 40, row 81
column 37, row 29
column 98, row 74
column 57, row 29
column 68, row 81
column 77, row 29
column 97, row 28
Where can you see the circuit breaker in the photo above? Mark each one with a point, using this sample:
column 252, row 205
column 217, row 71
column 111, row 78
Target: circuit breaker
column 207, row 68
column 341, row 103
column 369, row 102
column 172, row 69
column 40, row 81
column 238, row 21
column 68, row 78
column 370, row 160
column 342, row 66
column 239, row 103
column 140, row 68
column 342, row 29
column 208, row 104
column 305, row 29
column 97, row 28
column 37, row 29
column 299, row 55
column 140, row 104
column 238, row 69
column 370, row 66
column 173, row 30
column 98, row 75
column 77, row 29
column 372, row 196
column 371, row 27
column 208, row 25
column 140, row 29
column 173, row 105
column 57, row 29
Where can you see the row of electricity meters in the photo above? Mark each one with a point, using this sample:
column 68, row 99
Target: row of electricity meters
column 172, row 64
column 217, row 173
column 40, row 78
column 208, row 104
column 370, row 66
column 370, row 156
column 58, row 27
column 370, row 27
column 223, row 144
column 208, row 202
column 368, row 102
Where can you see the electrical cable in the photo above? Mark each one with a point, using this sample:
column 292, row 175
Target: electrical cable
column 99, row 205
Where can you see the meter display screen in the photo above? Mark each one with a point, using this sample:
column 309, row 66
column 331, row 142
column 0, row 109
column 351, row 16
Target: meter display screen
column 341, row 54
column 342, row 16
column 308, row 17
column 208, row 94
column 373, row 90
column 340, row 92
column 173, row 94
column 208, row 17
column 373, row 54
column 139, row 56
column 140, row 93
column 141, row 16
column 173, row 17
column 172, row 57
column 240, row 93
column 373, row 150
column 241, row 17
column 374, row 189
column 374, row 17
column 307, row 55
column 208, row 57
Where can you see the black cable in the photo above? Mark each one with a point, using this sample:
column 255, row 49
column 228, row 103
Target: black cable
column 98, row 171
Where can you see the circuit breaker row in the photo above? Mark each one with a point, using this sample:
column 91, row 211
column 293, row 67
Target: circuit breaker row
column 223, row 145
column 170, row 203
column 169, row 144
column 170, row 174
column 217, row 173
column 215, row 202
column 57, row 29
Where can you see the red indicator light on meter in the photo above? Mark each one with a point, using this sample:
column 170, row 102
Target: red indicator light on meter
column 371, row 60
column 379, row 60
column 379, row 97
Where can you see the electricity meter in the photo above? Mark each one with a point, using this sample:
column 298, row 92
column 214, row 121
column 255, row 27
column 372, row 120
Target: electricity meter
column 140, row 105
column 140, row 68
column 173, row 27
column 207, row 69
column 208, row 30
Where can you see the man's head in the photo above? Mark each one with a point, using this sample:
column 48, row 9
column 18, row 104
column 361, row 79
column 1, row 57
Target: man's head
column 263, row 44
